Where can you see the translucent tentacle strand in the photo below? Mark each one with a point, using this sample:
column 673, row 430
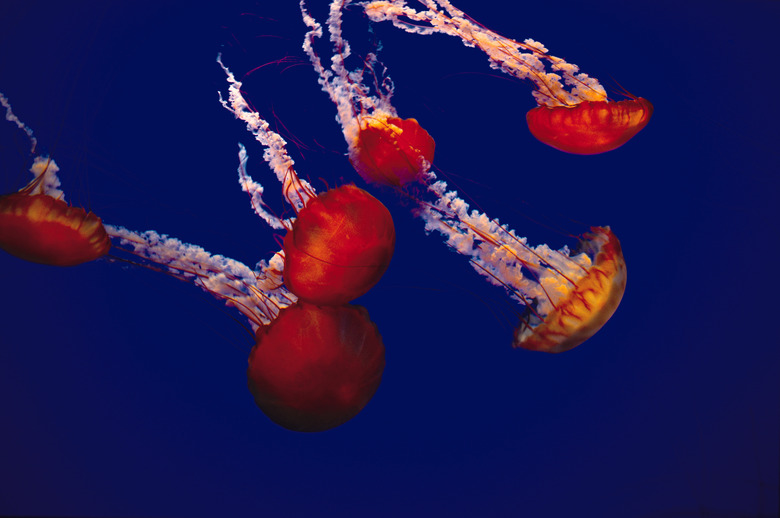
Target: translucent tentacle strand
column 524, row 60
column 258, row 294
column 352, row 96
column 296, row 191
column 10, row 116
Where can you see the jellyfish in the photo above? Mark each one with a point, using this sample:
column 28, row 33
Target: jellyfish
column 338, row 247
column 341, row 242
column 310, row 385
column 575, row 116
column 383, row 148
column 38, row 225
column 567, row 297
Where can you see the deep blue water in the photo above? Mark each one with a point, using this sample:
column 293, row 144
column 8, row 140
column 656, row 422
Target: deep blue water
column 123, row 392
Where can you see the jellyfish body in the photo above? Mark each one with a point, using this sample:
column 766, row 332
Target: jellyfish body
column 588, row 304
column 46, row 230
column 383, row 148
column 316, row 367
column 590, row 127
column 339, row 246
column 36, row 223
column 391, row 151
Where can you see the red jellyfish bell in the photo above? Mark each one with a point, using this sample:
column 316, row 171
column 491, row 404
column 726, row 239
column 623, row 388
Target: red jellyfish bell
column 339, row 246
column 43, row 229
column 316, row 367
column 590, row 127
column 391, row 151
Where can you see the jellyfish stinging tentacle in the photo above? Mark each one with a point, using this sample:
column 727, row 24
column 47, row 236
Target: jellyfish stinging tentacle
column 575, row 116
column 36, row 223
column 383, row 148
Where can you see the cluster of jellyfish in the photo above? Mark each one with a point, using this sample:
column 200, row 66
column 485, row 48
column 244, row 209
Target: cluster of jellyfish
column 317, row 359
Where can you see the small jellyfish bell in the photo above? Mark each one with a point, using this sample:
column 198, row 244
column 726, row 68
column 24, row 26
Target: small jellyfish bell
column 383, row 148
column 341, row 242
column 575, row 116
column 590, row 127
column 391, row 151
column 37, row 225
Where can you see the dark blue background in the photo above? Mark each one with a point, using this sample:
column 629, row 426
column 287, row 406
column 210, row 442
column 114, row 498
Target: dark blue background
column 123, row 392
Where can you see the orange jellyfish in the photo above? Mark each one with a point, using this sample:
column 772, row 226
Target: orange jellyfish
column 339, row 246
column 36, row 224
column 316, row 367
column 576, row 116
column 383, row 148
column 391, row 151
column 590, row 127
column 341, row 242
column 567, row 297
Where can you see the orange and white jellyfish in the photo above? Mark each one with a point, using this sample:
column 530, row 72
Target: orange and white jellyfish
column 575, row 116
column 340, row 243
column 313, row 367
column 568, row 297
column 38, row 225
column 383, row 148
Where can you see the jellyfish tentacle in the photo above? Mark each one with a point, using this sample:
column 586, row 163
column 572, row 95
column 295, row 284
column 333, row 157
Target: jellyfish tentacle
column 523, row 60
column 574, row 113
